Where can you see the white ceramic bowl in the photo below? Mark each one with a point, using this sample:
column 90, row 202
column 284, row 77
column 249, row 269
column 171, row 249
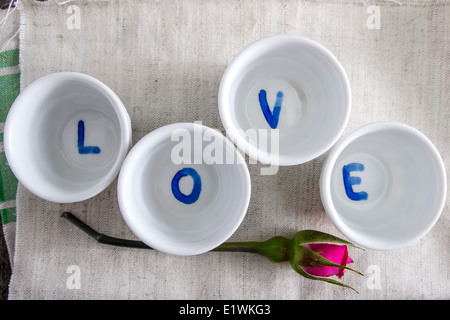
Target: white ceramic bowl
column 384, row 185
column 66, row 136
column 176, row 211
column 314, row 104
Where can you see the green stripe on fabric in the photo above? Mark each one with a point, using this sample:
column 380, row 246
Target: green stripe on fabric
column 9, row 58
column 9, row 90
column 8, row 182
column 8, row 215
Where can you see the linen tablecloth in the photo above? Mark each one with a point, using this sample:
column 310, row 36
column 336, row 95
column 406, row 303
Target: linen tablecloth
column 165, row 60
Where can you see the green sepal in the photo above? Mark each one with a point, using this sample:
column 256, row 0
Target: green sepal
column 312, row 236
column 303, row 273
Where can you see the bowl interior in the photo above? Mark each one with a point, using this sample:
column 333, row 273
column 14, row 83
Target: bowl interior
column 68, row 136
column 387, row 187
column 148, row 183
column 314, row 102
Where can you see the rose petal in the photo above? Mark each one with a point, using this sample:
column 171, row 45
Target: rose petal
column 335, row 253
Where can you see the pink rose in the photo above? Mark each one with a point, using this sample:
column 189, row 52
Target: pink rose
column 318, row 256
column 333, row 252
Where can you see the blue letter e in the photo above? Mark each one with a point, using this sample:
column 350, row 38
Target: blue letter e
column 349, row 181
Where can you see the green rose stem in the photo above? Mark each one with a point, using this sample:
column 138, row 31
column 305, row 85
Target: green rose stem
column 276, row 249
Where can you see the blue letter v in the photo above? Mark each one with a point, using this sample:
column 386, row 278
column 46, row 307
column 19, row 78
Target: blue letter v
column 271, row 117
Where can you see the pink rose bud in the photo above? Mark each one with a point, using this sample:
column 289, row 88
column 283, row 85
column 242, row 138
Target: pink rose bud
column 333, row 252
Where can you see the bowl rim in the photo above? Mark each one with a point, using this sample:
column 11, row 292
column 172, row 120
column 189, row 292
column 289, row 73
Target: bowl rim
column 130, row 164
column 330, row 161
column 267, row 43
column 19, row 166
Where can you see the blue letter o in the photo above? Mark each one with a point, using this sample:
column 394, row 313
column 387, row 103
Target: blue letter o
column 188, row 199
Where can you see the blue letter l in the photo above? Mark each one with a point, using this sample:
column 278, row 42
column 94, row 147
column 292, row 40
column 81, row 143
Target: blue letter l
column 82, row 149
